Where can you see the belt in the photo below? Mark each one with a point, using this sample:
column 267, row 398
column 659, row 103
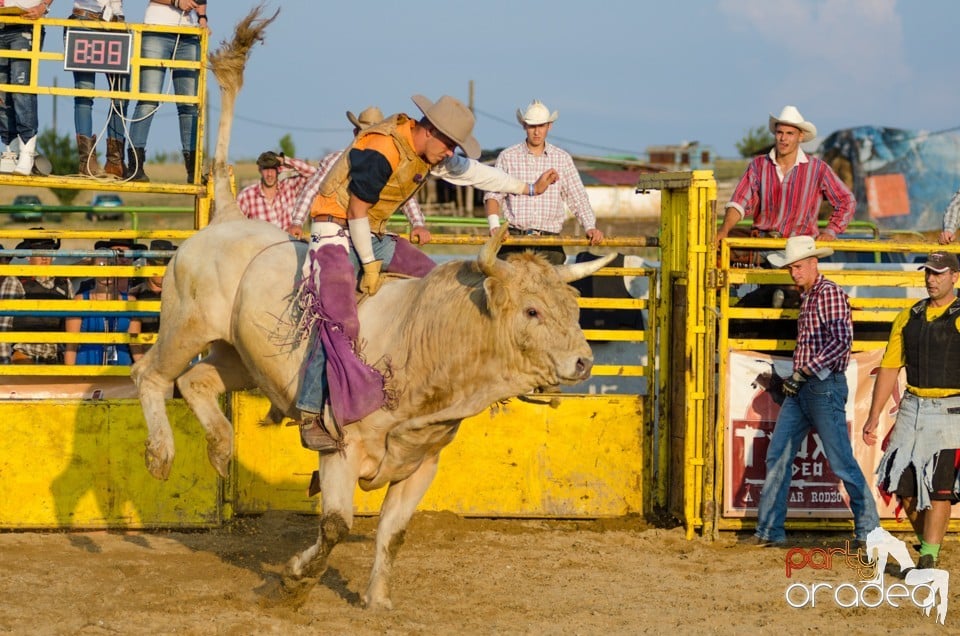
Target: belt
column 756, row 233
column 19, row 357
column 83, row 14
column 326, row 218
column 516, row 231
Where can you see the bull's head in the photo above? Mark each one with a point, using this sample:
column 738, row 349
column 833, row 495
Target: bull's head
column 536, row 312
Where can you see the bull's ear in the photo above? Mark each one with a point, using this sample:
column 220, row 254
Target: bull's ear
column 498, row 296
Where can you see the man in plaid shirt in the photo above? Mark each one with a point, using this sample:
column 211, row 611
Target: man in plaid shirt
column 951, row 220
column 816, row 396
column 543, row 215
column 783, row 190
column 272, row 199
column 39, row 288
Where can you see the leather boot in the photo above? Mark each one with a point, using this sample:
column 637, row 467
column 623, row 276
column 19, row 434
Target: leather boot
column 136, row 158
column 114, row 165
column 89, row 164
column 190, row 163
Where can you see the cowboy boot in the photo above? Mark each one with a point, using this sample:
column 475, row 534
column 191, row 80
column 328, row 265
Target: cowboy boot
column 114, row 165
column 190, row 163
column 28, row 151
column 89, row 165
column 136, row 158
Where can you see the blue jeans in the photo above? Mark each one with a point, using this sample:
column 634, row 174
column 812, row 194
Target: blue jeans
column 18, row 114
column 820, row 404
column 167, row 46
column 83, row 106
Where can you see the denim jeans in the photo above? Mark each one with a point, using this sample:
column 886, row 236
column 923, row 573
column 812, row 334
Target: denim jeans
column 18, row 114
column 167, row 46
column 83, row 106
column 820, row 404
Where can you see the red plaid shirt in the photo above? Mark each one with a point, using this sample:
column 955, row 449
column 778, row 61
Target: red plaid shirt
column 825, row 328
column 790, row 203
column 280, row 210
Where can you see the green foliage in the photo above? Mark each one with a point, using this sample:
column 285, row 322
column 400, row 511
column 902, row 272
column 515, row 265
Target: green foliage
column 61, row 152
column 755, row 141
column 287, row 147
column 164, row 157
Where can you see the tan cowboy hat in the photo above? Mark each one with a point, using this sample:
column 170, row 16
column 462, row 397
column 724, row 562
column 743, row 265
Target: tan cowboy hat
column 453, row 119
column 792, row 117
column 537, row 113
column 368, row 117
column 798, row 248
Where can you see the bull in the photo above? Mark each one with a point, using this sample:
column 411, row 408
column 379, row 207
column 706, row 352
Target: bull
column 467, row 335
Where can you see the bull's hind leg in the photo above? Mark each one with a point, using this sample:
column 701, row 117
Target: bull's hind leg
column 398, row 506
column 154, row 375
column 338, row 480
column 221, row 371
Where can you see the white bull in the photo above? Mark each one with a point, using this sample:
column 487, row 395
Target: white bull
column 467, row 335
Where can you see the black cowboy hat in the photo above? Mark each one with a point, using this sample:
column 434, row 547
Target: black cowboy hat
column 109, row 244
column 39, row 244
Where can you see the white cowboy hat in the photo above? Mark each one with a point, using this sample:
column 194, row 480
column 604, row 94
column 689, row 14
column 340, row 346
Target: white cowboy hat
column 792, row 117
column 451, row 117
column 798, row 248
column 537, row 113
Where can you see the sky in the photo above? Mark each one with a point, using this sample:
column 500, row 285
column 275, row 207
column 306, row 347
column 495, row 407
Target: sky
column 623, row 75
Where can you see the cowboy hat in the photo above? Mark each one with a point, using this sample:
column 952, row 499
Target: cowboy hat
column 536, row 114
column 367, row 117
column 941, row 262
column 792, row 117
column 798, row 248
column 42, row 243
column 451, row 117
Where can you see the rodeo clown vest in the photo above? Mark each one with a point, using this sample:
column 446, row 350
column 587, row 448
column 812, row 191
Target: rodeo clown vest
column 932, row 348
column 33, row 290
column 407, row 177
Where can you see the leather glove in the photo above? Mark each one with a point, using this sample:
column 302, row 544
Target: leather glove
column 791, row 385
column 371, row 281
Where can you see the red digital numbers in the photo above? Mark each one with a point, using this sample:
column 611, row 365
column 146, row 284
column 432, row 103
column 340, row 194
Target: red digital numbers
column 98, row 52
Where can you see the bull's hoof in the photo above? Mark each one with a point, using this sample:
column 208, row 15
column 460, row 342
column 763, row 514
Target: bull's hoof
column 377, row 604
column 158, row 460
column 285, row 592
column 220, row 456
column 377, row 597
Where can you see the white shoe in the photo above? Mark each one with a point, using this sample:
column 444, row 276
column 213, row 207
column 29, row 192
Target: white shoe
column 28, row 150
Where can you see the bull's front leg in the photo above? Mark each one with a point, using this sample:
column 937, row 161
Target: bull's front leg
column 338, row 481
column 398, row 506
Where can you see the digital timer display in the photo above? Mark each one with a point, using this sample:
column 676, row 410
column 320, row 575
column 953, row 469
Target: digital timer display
column 97, row 51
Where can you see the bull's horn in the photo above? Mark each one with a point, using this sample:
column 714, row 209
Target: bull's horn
column 576, row 271
column 489, row 264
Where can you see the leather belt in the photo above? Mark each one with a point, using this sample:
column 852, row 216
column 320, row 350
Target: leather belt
column 756, row 233
column 83, row 14
column 326, row 218
column 516, row 231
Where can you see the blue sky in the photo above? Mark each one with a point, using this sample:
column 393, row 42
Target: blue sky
column 623, row 75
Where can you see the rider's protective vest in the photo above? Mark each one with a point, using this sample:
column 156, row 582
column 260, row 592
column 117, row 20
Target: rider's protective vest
column 408, row 176
column 932, row 348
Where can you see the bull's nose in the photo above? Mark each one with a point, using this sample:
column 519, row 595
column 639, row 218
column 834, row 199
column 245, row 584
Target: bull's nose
column 584, row 365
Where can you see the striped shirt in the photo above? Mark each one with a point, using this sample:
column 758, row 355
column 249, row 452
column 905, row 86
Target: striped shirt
column 12, row 289
column 301, row 208
column 824, row 330
column 278, row 211
column 546, row 212
column 790, row 203
column 951, row 218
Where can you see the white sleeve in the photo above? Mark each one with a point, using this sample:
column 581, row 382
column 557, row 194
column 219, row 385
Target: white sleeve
column 460, row 170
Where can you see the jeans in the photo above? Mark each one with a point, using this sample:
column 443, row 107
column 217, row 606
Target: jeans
column 167, row 46
column 820, row 404
column 83, row 106
column 18, row 114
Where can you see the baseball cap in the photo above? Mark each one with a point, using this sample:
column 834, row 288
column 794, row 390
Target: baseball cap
column 941, row 262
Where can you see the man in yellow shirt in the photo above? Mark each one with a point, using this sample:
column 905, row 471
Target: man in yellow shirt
column 922, row 458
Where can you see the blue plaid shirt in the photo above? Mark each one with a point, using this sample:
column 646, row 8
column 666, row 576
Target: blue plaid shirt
column 825, row 329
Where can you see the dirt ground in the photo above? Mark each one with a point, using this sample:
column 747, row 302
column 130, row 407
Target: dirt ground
column 453, row 576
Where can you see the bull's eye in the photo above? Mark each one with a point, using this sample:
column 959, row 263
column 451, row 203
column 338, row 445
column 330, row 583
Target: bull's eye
column 532, row 312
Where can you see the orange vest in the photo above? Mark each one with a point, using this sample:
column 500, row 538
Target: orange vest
column 408, row 176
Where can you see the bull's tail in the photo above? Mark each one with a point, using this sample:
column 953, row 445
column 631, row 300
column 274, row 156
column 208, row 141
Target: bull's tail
column 227, row 64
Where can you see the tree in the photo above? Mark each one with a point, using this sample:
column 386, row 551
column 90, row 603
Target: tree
column 287, row 147
column 61, row 152
column 754, row 142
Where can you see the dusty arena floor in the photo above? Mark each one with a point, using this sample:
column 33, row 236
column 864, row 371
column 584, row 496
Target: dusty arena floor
column 453, row 576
